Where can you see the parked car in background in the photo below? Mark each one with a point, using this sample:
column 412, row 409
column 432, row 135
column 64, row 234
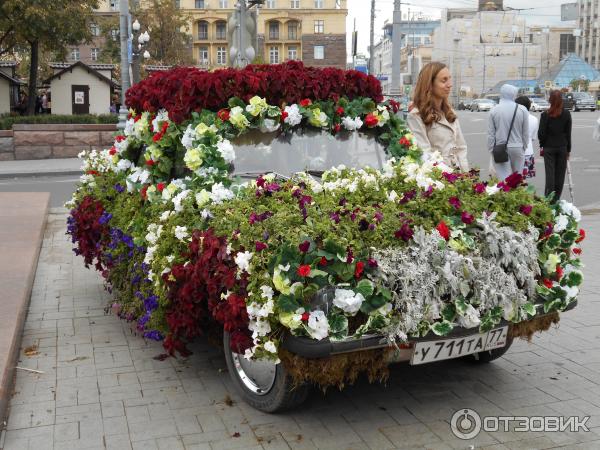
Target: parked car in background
column 583, row 100
column 539, row 104
column 464, row 104
column 482, row 104
column 568, row 100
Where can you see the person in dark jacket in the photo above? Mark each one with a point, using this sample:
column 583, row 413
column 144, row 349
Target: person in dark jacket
column 554, row 135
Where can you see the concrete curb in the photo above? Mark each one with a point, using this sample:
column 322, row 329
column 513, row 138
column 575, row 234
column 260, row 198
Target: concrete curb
column 57, row 173
column 23, row 218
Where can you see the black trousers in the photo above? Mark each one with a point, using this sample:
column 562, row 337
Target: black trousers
column 555, row 162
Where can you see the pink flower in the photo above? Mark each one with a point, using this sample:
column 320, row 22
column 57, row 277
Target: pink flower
column 304, row 246
column 260, row 246
column 405, row 232
column 450, row 177
column 455, row 202
column 525, row 209
column 479, row 188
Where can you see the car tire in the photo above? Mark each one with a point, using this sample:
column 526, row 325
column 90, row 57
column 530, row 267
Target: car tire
column 490, row 355
column 279, row 393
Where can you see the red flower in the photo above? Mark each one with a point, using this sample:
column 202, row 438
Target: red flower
column 304, row 270
column 143, row 191
column 581, row 235
column 467, row 218
column 337, row 127
column 443, row 229
column 305, row 102
column 157, row 137
column 525, row 209
column 547, row 283
column 160, row 187
column 404, row 141
column 372, row 262
column 371, row 120
column 112, row 151
column 559, row 273
column 405, row 232
column 92, row 172
column 260, row 246
column 514, row 180
column 455, row 202
column 305, row 316
column 150, row 162
column 120, row 138
column 284, row 115
column 323, row 261
column 304, row 246
column 339, row 111
column 479, row 188
column 577, row 251
column 358, row 270
column 223, row 114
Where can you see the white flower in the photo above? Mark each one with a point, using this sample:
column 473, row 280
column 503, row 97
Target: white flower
column 129, row 127
column 392, row 196
column 178, row 199
column 259, row 327
column 294, row 117
column 267, row 292
column 220, row 193
column 256, row 105
column 237, row 118
column 470, row 319
column 570, row 209
column 242, row 259
column 202, row 198
column 269, row 126
column 270, row 347
column 226, row 150
column 561, row 223
column 181, row 233
column 206, row 214
column 165, row 215
column 351, row 124
column 318, row 326
column 348, row 300
column 283, row 268
column 123, row 165
column 491, row 190
column 189, row 136
column 161, row 116
column 571, row 292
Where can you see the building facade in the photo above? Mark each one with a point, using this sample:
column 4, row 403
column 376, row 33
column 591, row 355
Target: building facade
column 588, row 31
column 313, row 31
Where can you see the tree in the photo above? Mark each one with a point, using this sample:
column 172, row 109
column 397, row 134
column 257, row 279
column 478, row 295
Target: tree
column 109, row 30
column 579, row 84
column 45, row 25
column 168, row 25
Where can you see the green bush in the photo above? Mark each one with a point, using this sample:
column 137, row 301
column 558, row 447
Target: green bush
column 7, row 121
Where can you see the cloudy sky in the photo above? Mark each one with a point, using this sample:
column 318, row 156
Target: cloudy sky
column 545, row 12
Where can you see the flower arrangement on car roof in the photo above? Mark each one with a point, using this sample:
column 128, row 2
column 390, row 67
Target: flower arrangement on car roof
column 410, row 249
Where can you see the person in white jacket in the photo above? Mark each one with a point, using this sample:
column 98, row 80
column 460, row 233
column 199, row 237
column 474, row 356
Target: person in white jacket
column 529, row 164
column 432, row 120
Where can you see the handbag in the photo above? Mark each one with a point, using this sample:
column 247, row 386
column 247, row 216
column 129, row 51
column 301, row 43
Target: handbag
column 500, row 151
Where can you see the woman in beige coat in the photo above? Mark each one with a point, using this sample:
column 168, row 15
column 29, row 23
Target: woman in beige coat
column 432, row 121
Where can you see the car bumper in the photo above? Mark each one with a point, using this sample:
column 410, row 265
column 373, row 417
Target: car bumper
column 312, row 349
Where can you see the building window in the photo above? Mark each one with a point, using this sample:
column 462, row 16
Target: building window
column 319, row 26
column 271, row 4
column 202, row 31
column 319, row 52
column 200, row 4
column 319, row 4
column 95, row 54
column 75, row 54
column 292, row 52
column 295, row 4
column 221, row 31
column 293, row 30
column 273, row 30
column 114, row 5
column 114, row 35
column 95, row 29
column 222, row 3
column 177, row 4
column 274, row 55
column 203, row 56
column 221, row 56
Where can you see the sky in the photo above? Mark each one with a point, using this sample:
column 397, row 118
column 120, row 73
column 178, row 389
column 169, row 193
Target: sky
column 545, row 12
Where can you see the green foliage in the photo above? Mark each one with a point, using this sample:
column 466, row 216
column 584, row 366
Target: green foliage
column 7, row 121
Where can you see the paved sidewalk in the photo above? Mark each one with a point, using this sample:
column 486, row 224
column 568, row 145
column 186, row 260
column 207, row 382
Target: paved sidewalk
column 23, row 168
column 102, row 387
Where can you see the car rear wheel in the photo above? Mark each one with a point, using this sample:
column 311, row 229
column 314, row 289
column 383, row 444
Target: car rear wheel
column 263, row 385
column 490, row 355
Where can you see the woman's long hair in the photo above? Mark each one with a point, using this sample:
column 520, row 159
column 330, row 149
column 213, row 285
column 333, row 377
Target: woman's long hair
column 423, row 97
column 556, row 104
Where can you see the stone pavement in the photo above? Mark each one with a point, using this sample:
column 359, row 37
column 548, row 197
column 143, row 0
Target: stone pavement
column 39, row 167
column 102, row 387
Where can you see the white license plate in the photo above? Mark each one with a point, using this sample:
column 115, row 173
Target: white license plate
column 430, row 351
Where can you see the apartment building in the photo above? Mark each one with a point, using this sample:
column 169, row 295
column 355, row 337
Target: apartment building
column 313, row 31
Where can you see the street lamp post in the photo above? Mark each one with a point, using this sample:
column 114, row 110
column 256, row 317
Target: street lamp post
column 123, row 34
column 138, row 50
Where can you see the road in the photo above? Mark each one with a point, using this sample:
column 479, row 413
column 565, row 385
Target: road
column 585, row 162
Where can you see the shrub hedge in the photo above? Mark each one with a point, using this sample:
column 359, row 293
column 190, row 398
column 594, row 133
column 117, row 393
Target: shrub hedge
column 7, row 121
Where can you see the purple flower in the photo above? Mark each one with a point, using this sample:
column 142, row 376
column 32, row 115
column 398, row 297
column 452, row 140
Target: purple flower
column 363, row 225
column 378, row 217
column 428, row 192
column 372, row 263
column 405, row 232
column 304, row 246
column 151, row 303
column 342, row 201
column 455, row 202
column 272, row 187
column 104, row 218
column 154, row 335
column 526, row 209
column 479, row 188
column 253, row 218
column 408, row 196
column 450, row 177
column 467, row 218
column 142, row 321
column 335, row 217
column 120, row 189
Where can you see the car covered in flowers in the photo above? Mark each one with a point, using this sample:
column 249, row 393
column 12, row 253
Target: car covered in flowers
column 286, row 213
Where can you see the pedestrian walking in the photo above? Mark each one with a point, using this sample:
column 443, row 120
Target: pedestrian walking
column 432, row 120
column 554, row 135
column 508, row 133
column 44, row 102
column 529, row 164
